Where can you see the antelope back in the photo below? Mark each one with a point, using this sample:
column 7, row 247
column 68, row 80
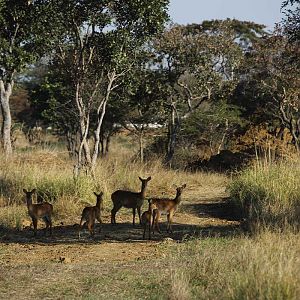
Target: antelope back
column 42, row 209
column 130, row 199
column 164, row 204
column 89, row 213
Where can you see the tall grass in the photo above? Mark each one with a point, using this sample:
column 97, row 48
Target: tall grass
column 51, row 173
column 267, row 267
column 268, row 194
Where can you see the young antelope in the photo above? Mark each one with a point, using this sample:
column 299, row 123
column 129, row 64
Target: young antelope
column 146, row 219
column 41, row 210
column 90, row 214
column 167, row 206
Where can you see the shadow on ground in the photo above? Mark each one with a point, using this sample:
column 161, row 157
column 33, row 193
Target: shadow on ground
column 123, row 232
column 221, row 209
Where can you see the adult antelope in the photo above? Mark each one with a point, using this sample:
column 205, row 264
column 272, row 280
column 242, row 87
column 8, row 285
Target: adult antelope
column 168, row 206
column 92, row 213
column 129, row 199
column 41, row 210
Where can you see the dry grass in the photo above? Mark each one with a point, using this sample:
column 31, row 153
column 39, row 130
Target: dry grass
column 267, row 267
column 180, row 289
column 264, row 266
column 269, row 193
column 51, row 173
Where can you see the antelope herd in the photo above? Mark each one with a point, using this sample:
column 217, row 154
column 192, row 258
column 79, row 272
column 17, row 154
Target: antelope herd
column 120, row 198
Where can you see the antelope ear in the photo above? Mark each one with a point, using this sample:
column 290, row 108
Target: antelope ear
column 25, row 191
column 150, row 201
column 184, row 186
column 140, row 178
column 33, row 191
column 149, row 178
column 95, row 194
column 101, row 194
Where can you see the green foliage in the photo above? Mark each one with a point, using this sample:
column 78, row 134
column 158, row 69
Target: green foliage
column 50, row 98
column 276, row 72
column 204, row 133
column 245, row 33
column 23, row 37
column 97, row 45
column 287, row 2
column 211, row 125
column 143, row 103
column 292, row 19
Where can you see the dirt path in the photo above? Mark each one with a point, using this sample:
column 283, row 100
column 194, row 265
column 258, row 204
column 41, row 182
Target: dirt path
column 200, row 214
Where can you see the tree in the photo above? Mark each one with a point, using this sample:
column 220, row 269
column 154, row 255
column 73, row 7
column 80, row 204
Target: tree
column 144, row 105
column 211, row 126
column 23, row 38
column 201, row 63
column 50, row 101
column 279, row 80
column 292, row 20
column 97, row 48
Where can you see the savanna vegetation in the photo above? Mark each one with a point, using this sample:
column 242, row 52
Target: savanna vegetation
column 94, row 95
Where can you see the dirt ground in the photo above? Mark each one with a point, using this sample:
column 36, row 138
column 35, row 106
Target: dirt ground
column 201, row 216
column 117, row 263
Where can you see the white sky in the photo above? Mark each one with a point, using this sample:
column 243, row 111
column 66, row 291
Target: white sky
column 265, row 12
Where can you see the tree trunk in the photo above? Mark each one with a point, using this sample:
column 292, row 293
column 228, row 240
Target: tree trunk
column 84, row 155
column 107, row 144
column 141, row 142
column 101, row 144
column 294, row 133
column 71, row 144
column 5, row 94
column 1, row 124
column 101, row 113
column 97, row 134
column 172, row 136
column 221, row 145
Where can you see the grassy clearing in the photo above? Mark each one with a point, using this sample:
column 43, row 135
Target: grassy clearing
column 269, row 194
column 263, row 266
column 51, row 173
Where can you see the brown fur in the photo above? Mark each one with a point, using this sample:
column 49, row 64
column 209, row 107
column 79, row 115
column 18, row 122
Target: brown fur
column 146, row 219
column 90, row 214
column 129, row 199
column 166, row 205
column 37, row 211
